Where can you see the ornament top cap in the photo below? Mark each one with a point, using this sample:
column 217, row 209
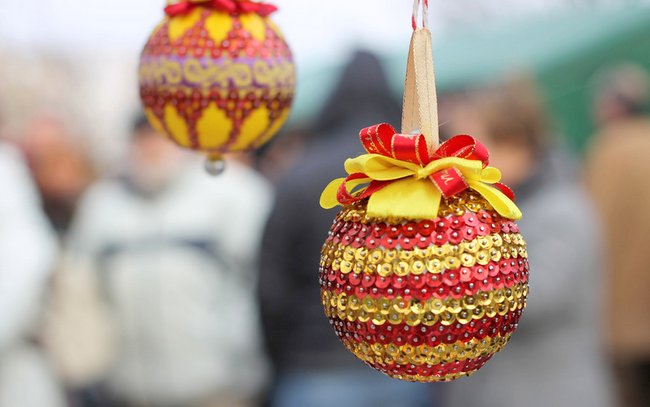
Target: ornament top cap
column 181, row 7
column 170, row 2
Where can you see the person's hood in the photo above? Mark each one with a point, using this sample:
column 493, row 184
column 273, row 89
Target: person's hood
column 362, row 91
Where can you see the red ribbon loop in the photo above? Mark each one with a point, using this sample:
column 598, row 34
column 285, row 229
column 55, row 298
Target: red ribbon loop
column 464, row 146
column 382, row 139
column 346, row 197
column 227, row 6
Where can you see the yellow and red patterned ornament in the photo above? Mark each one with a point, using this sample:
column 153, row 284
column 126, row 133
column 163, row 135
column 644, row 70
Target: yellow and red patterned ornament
column 217, row 76
column 424, row 274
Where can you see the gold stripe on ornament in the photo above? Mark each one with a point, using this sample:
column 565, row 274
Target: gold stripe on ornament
column 431, row 379
column 414, row 312
column 208, row 75
column 434, row 259
column 378, row 353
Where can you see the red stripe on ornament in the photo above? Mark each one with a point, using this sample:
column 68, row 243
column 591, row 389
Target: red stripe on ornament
column 437, row 334
column 432, row 371
column 456, row 284
column 451, row 229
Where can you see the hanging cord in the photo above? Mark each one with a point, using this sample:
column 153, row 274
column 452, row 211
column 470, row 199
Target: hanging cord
column 416, row 13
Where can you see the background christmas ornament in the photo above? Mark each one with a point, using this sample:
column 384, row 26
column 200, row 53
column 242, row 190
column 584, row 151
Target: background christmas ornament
column 424, row 275
column 217, row 76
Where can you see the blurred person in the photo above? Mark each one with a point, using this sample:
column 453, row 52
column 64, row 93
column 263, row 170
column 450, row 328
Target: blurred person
column 27, row 253
column 555, row 357
column 77, row 332
column 312, row 367
column 59, row 164
column 616, row 172
column 174, row 252
column 622, row 96
column 278, row 157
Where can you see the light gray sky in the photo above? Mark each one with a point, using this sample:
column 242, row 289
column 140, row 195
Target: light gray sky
column 317, row 30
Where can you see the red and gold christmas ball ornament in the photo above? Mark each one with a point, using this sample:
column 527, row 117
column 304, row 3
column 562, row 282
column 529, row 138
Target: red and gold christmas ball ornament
column 424, row 275
column 217, row 76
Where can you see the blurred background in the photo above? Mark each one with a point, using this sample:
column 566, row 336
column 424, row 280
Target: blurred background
column 128, row 277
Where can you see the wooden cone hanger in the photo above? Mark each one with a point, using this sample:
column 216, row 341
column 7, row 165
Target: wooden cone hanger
column 420, row 105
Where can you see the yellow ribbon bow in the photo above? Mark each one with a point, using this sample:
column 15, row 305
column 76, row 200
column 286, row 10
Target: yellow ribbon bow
column 404, row 189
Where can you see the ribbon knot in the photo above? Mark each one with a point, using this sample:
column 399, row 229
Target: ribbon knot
column 228, row 6
column 421, row 174
column 401, row 178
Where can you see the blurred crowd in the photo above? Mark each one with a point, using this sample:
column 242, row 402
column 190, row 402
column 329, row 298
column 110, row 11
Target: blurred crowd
column 151, row 284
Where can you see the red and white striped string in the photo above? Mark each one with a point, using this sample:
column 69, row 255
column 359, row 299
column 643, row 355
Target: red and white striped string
column 416, row 13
